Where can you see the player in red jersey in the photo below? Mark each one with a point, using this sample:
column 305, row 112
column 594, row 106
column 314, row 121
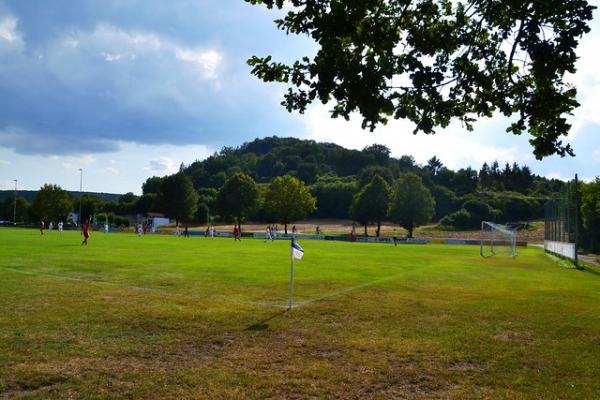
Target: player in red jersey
column 42, row 227
column 85, row 229
column 237, row 234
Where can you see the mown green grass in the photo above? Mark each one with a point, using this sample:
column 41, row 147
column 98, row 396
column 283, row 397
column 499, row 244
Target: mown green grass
column 169, row 317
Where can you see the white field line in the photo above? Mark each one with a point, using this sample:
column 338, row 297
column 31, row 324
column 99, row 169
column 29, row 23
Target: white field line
column 140, row 288
column 267, row 304
column 90, row 281
column 344, row 291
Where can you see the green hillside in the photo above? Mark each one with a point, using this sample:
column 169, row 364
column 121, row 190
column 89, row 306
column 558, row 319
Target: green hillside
column 335, row 174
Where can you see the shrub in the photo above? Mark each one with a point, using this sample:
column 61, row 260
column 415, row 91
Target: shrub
column 496, row 215
column 121, row 221
column 479, row 211
column 460, row 219
column 517, row 208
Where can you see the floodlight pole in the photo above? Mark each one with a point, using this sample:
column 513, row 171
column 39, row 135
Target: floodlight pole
column 291, row 296
column 80, row 195
column 15, row 207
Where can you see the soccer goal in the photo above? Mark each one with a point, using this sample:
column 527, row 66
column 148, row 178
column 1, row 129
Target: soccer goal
column 497, row 239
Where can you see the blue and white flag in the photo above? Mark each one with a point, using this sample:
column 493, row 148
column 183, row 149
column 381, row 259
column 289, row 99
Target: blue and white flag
column 297, row 251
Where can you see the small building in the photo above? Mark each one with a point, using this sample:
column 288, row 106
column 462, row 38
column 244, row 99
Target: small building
column 73, row 217
column 154, row 220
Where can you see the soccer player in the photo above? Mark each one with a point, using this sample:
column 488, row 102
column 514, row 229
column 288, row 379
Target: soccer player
column 85, row 229
column 42, row 227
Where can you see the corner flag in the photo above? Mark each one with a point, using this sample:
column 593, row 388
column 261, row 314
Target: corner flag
column 297, row 251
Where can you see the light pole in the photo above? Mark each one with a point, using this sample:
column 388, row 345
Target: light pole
column 80, row 195
column 15, row 208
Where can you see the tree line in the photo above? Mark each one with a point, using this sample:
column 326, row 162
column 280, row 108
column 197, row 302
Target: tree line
column 287, row 199
column 239, row 184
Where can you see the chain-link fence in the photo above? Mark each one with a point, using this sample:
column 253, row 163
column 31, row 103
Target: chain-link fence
column 562, row 221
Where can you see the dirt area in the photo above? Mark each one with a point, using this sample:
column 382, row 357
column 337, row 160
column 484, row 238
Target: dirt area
column 536, row 236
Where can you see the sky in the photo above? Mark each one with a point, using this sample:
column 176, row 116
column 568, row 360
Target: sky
column 128, row 89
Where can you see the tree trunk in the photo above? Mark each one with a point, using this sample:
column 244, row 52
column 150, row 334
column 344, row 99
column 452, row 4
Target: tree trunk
column 378, row 228
column 366, row 234
column 410, row 232
column 285, row 227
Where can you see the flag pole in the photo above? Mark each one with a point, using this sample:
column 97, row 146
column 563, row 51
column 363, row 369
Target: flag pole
column 291, row 295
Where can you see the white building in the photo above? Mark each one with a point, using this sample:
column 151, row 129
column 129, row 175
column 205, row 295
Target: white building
column 155, row 220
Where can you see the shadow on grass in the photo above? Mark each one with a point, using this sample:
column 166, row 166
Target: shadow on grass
column 262, row 325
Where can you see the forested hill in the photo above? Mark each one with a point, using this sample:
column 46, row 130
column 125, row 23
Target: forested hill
column 30, row 194
column 335, row 174
column 264, row 159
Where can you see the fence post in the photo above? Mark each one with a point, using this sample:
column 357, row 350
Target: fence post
column 576, row 219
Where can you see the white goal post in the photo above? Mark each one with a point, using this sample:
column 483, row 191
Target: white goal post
column 497, row 239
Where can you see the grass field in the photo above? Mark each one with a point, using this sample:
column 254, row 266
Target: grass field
column 169, row 317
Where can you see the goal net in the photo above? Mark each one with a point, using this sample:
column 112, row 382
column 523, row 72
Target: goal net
column 497, row 239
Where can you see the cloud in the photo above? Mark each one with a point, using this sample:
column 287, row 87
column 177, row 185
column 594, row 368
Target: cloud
column 162, row 165
column 111, row 57
column 112, row 171
column 88, row 89
column 74, row 163
column 587, row 81
column 558, row 175
column 8, row 30
column 26, row 142
column 207, row 61
column 11, row 40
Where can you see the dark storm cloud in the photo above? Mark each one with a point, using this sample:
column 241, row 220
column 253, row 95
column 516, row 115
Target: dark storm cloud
column 83, row 76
